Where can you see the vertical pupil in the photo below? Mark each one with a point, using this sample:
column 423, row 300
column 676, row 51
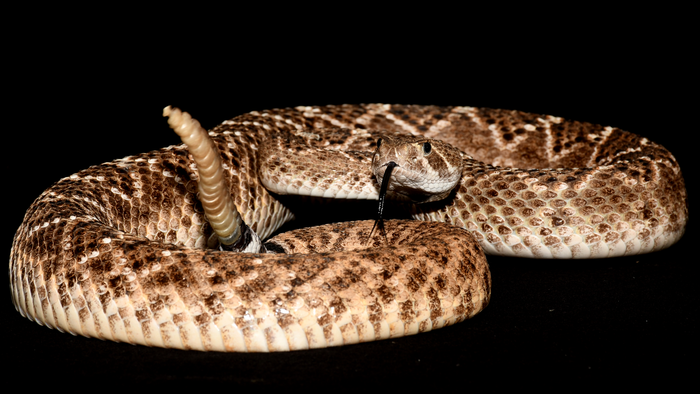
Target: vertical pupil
column 426, row 148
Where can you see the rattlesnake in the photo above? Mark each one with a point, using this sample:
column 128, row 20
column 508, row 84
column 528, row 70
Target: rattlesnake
column 115, row 251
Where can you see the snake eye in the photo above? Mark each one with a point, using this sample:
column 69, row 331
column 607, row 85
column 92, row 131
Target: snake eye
column 427, row 148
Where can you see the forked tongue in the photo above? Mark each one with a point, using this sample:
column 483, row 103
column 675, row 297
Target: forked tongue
column 382, row 194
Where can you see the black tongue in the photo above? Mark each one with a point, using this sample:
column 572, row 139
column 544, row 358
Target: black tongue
column 382, row 189
column 382, row 193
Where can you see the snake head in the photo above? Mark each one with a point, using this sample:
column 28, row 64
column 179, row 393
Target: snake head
column 426, row 170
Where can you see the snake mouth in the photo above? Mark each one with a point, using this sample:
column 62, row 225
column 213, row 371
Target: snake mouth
column 392, row 168
column 386, row 167
column 403, row 186
column 408, row 185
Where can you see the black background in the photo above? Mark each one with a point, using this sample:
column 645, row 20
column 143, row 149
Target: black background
column 80, row 99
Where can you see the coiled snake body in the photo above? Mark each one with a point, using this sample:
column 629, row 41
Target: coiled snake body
column 120, row 251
